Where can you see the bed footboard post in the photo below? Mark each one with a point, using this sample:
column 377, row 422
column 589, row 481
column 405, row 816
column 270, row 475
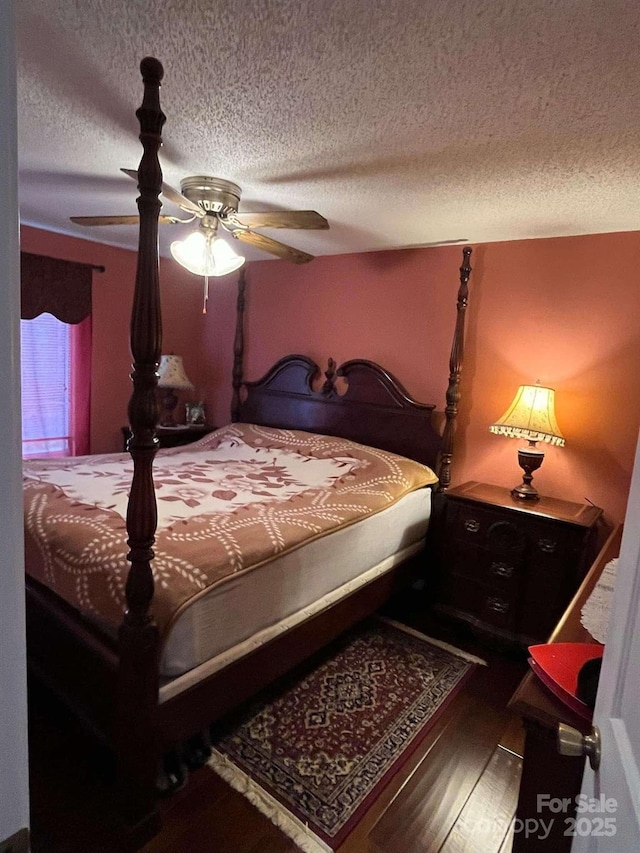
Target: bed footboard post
column 455, row 371
column 238, row 350
column 136, row 742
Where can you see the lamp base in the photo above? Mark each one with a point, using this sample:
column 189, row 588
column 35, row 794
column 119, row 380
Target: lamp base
column 525, row 492
column 529, row 459
column 169, row 403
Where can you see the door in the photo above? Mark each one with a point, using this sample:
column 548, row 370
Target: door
column 14, row 791
column 608, row 818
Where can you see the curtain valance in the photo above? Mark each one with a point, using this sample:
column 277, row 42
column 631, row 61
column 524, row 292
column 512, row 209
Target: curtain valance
column 52, row 286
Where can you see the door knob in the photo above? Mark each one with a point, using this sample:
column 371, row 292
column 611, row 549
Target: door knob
column 573, row 742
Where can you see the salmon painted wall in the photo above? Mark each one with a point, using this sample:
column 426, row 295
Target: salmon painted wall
column 181, row 296
column 564, row 311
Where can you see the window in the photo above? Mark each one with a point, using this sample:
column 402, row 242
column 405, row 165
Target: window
column 46, row 386
column 55, row 387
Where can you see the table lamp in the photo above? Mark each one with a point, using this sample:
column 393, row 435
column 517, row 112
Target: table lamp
column 172, row 378
column 532, row 416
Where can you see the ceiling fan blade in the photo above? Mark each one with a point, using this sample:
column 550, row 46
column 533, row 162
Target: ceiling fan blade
column 173, row 195
column 281, row 219
column 260, row 241
column 119, row 220
column 105, row 220
column 436, row 244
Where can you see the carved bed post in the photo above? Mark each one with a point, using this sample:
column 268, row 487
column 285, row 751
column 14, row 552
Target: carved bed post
column 455, row 370
column 137, row 699
column 238, row 350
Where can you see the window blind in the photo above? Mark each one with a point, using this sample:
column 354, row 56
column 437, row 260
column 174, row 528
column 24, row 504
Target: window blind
column 46, row 387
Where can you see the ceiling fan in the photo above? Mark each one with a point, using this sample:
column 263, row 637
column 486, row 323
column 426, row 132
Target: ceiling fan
column 214, row 201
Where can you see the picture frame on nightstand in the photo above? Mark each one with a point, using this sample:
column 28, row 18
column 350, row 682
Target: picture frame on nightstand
column 195, row 414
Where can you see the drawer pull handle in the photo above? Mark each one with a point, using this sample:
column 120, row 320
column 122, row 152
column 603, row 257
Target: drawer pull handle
column 502, row 570
column 497, row 605
column 547, row 545
column 471, row 525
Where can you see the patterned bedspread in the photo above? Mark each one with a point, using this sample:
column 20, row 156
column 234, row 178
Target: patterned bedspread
column 226, row 504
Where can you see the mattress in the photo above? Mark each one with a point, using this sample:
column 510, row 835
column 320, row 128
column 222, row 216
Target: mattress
column 249, row 604
column 256, row 528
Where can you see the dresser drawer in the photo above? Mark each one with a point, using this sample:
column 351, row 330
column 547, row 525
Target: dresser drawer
column 485, row 528
column 497, row 570
column 553, row 548
column 494, row 607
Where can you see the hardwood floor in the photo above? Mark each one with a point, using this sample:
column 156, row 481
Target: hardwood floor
column 457, row 793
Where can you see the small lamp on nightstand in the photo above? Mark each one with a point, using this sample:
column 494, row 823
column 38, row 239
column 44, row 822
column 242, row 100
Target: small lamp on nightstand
column 531, row 416
column 171, row 377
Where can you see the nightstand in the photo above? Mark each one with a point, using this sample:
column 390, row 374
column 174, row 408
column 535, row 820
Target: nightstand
column 509, row 567
column 174, row 436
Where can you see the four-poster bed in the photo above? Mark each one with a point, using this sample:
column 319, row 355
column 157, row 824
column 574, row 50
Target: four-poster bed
column 119, row 683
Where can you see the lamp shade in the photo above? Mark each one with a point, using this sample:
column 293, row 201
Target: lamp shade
column 171, row 373
column 206, row 255
column 531, row 416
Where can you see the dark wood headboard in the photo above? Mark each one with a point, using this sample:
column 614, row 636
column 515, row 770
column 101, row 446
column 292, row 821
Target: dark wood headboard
column 359, row 400
column 374, row 408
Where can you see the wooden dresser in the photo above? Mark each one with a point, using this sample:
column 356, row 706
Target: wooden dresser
column 509, row 567
column 544, row 770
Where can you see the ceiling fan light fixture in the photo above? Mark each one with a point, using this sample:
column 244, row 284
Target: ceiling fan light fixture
column 225, row 259
column 206, row 255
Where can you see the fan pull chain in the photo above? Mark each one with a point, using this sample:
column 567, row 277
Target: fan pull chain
column 206, row 294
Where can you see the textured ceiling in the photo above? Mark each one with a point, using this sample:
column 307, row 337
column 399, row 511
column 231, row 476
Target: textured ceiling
column 404, row 122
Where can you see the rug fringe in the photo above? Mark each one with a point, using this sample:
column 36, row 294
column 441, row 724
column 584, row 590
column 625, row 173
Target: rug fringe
column 281, row 817
column 454, row 651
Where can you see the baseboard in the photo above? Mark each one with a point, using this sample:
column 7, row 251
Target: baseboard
column 18, row 843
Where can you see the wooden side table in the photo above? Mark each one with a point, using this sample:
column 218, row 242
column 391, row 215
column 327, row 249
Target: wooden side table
column 544, row 770
column 509, row 567
column 174, row 436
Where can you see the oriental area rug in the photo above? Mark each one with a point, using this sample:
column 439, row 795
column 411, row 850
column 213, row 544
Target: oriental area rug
column 315, row 756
